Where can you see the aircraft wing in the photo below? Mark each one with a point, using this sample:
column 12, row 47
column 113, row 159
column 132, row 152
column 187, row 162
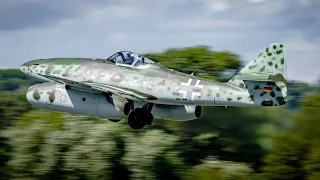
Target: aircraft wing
column 73, row 84
column 123, row 92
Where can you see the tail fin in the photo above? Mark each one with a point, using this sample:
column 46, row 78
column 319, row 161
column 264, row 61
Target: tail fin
column 268, row 65
column 266, row 70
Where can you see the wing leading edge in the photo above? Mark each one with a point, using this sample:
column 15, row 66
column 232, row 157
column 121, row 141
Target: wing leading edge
column 123, row 92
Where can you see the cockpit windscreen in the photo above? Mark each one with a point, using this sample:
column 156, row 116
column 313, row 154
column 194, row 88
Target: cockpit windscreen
column 129, row 58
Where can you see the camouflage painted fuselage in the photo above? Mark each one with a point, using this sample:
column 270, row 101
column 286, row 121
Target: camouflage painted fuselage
column 166, row 85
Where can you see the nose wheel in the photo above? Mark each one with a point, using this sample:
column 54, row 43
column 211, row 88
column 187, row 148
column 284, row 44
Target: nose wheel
column 140, row 117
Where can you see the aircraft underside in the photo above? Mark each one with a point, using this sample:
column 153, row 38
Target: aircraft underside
column 58, row 97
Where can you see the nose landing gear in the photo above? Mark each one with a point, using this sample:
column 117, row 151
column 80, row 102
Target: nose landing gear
column 140, row 117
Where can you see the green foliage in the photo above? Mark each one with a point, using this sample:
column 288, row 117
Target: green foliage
column 311, row 163
column 308, row 121
column 190, row 59
column 79, row 148
column 75, row 147
column 5, row 155
column 11, row 107
column 11, row 73
column 9, row 86
column 52, row 117
column 297, row 91
column 295, row 154
column 233, row 134
column 246, row 143
column 285, row 161
column 212, row 168
column 13, row 80
column 157, row 145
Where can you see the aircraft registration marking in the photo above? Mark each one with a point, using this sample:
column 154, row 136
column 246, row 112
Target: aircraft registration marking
column 193, row 94
column 269, row 71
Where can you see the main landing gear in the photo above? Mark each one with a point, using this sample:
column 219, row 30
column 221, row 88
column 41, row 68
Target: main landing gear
column 140, row 117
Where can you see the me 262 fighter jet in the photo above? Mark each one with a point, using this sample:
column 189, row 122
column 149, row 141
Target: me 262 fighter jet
column 130, row 85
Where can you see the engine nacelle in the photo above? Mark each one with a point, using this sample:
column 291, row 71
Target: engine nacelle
column 179, row 113
column 56, row 97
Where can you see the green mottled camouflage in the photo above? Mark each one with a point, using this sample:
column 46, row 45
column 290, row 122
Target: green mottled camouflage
column 160, row 85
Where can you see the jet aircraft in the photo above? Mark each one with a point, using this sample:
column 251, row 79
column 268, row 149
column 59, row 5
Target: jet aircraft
column 130, row 85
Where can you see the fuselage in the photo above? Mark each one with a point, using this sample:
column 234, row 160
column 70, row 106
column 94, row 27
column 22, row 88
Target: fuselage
column 169, row 86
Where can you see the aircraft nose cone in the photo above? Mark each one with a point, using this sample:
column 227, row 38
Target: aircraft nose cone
column 23, row 68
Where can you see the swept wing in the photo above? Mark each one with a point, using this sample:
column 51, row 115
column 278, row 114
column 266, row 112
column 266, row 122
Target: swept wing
column 124, row 92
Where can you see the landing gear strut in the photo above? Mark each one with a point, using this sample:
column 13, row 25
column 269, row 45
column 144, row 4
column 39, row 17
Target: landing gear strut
column 140, row 117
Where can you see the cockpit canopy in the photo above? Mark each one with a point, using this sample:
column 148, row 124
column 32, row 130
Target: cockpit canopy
column 127, row 58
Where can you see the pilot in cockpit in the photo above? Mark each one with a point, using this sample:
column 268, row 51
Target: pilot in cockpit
column 129, row 59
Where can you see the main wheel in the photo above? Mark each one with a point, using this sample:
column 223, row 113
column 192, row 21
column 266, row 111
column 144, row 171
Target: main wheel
column 135, row 119
column 148, row 119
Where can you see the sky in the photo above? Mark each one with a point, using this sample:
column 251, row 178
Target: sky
column 34, row 29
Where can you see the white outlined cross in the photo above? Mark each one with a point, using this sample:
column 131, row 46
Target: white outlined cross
column 194, row 94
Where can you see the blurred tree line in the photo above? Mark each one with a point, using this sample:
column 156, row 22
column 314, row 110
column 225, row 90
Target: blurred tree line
column 224, row 144
column 13, row 80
